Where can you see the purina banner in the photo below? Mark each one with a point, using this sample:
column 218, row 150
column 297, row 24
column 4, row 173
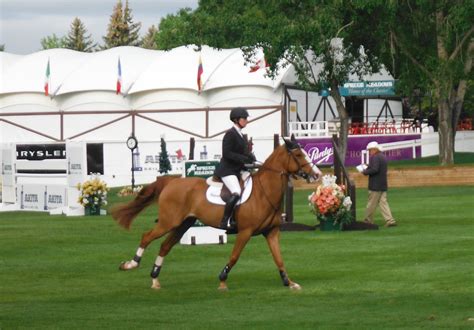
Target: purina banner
column 321, row 152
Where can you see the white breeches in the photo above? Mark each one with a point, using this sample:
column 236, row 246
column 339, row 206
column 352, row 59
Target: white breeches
column 232, row 183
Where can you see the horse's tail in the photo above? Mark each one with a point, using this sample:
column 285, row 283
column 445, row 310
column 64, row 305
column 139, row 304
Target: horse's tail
column 124, row 214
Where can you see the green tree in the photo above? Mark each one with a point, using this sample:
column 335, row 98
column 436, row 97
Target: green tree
column 78, row 39
column 121, row 31
column 165, row 165
column 173, row 29
column 430, row 48
column 115, row 29
column 53, row 41
column 2, row 48
column 132, row 30
column 149, row 40
column 306, row 34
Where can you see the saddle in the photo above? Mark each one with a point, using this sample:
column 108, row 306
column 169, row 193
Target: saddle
column 218, row 193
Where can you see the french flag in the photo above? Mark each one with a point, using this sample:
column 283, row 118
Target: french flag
column 119, row 78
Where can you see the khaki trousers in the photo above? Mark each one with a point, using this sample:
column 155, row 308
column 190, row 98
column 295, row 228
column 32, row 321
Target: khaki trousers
column 377, row 198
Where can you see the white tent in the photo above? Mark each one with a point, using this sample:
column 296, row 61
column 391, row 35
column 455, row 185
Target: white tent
column 84, row 84
column 159, row 97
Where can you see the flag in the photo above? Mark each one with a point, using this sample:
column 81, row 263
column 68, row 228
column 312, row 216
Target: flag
column 199, row 74
column 119, row 78
column 47, row 80
column 179, row 154
column 261, row 63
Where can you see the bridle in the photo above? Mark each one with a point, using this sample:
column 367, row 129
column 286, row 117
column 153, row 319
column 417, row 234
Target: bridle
column 287, row 174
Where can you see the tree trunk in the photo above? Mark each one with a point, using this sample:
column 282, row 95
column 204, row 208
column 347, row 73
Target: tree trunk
column 343, row 120
column 446, row 133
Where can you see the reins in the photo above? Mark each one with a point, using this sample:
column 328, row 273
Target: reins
column 282, row 173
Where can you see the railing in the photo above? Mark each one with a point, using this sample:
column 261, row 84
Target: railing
column 309, row 128
column 327, row 128
column 342, row 177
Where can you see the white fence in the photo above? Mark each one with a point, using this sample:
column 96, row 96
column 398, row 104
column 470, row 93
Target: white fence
column 309, row 128
column 428, row 143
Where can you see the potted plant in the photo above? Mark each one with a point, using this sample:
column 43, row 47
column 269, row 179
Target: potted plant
column 330, row 204
column 93, row 194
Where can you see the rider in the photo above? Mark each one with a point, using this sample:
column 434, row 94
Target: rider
column 235, row 153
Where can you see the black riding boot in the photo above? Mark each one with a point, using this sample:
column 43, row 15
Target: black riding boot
column 228, row 219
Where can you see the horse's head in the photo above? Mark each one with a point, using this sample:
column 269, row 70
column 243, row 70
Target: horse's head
column 299, row 162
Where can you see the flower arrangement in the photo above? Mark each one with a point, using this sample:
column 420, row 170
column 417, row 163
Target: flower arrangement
column 127, row 191
column 93, row 194
column 329, row 202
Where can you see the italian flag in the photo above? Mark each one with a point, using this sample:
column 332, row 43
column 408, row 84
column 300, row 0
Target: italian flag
column 47, row 80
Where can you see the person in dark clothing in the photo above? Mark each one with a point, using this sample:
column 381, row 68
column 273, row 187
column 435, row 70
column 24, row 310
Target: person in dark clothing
column 235, row 154
column 378, row 186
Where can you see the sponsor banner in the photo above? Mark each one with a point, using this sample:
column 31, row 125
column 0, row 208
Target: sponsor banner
column 76, row 169
column 40, row 152
column 321, row 152
column 76, row 163
column 56, row 196
column 365, row 88
column 7, row 167
column 41, row 197
column 199, row 168
column 7, row 171
column 32, row 197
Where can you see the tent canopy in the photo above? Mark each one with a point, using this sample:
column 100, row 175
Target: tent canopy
column 142, row 70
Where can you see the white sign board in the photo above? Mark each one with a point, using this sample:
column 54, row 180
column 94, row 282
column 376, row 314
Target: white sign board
column 8, row 171
column 76, row 153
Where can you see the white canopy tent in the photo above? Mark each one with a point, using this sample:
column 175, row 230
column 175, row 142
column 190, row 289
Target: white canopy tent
column 84, row 84
column 159, row 97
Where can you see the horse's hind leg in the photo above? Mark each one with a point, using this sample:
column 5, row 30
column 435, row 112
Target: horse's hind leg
column 148, row 237
column 242, row 239
column 273, row 240
column 173, row 238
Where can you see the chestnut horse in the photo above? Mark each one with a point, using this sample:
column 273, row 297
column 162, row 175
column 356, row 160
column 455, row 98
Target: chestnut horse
column 183, row 200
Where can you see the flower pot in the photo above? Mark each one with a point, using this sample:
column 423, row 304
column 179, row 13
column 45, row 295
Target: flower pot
column 329, row 226
column 92, row 210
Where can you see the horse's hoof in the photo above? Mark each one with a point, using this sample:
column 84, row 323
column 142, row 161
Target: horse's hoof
column 127, row 265
column 155, row 284
column 295, row 286
column 222, row 287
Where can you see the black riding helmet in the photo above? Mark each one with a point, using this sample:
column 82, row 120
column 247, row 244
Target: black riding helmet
column 237, row 113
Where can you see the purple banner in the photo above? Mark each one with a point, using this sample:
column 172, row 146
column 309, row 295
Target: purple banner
column 321, row 152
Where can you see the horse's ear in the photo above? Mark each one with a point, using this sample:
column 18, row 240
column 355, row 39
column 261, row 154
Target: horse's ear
column 293, row 139
column 290, row 145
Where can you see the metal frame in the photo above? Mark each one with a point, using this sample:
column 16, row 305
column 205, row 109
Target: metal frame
column 132, row 114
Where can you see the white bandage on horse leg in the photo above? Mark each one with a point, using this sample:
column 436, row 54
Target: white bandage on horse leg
column 140, row 251
column 159, row 261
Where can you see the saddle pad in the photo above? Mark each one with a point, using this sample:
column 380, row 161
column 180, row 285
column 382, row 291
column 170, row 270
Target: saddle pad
column 213, row 193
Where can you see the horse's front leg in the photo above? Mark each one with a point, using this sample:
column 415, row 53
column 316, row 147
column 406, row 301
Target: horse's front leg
column 240, row 242
column 273, row 240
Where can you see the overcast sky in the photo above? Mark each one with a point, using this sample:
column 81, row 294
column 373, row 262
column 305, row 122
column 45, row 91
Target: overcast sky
column 25, row 22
